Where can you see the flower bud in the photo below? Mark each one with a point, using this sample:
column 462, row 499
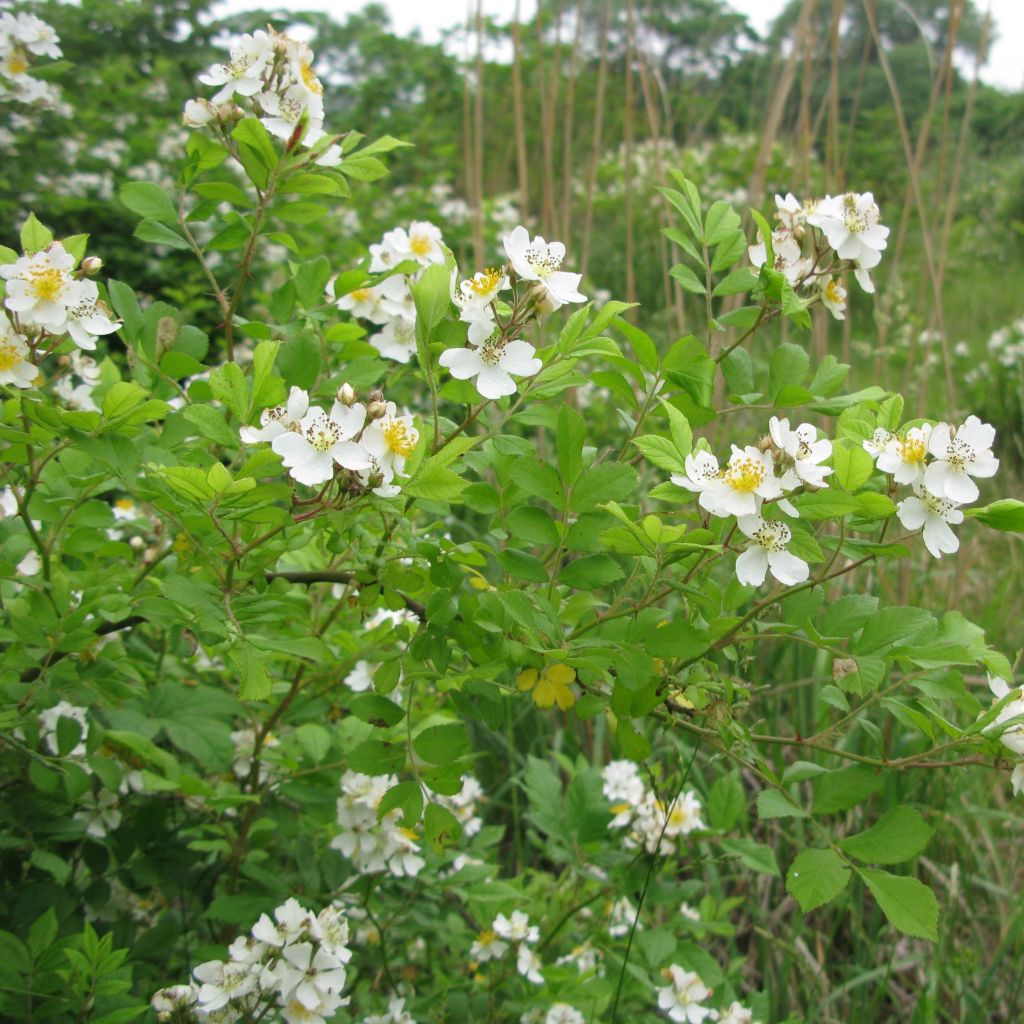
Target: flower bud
column 376, row 410
column 346, row 394
column 198, row 113
column 91, row 266
column 540, row 298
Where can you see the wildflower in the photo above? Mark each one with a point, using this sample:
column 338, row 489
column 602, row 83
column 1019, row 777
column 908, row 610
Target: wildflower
column 904, row 457
column 16, row 366
column 790, row 214
column 736, row 1013
column 310, row 453
column 40, row 287
column 585, row 957
column 516, row 927
column 805, row 451
column 681, row 999
column 833, row 297
column 528, row 964
column 487, row 946
column 175, row 999
column 690, row 913
column 243, row 74
column 307, row 973
column 684, row 815
column 878, row 442
column 492, row 364
column 540, row 261
column 396, row 341
column 360, row 678
column 622, row 782
column 365, row 303
column 563, row 1013
column 87, row 317
column 851, row 224
column 475, row 294
column 1017, row 779
column 422, row 242
column 932, row 515
column 768, row 552
column 99, row 814
column 48, row 723
column 279, row 420
column 550, row 686
column 389, row 441
column 621, row 917
column 397, row 1014
column 734, row 490
column 788, row 257
column 1012, row 736
column 958, row 457
column 283, row 112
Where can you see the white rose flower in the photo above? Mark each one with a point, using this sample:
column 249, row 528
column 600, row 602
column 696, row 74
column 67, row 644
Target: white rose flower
column 958, row 457
column 768, row 552
column 279, row 420
column 310, row 454
column 540, row 261
column 931, row 515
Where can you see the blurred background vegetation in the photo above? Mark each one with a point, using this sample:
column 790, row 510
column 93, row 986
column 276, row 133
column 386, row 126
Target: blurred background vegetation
column 568, row 122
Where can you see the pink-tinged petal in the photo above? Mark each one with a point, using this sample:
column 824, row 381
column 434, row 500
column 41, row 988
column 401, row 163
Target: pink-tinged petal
column 351, row 455
column 462, row 363
column 938, row 440
column 518, row 357
column 752, row 567
column 493, row 382
column 787, row 568
column 961, row 488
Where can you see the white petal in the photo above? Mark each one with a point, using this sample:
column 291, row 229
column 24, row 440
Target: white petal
column 462, row 363
column 518, row 357
column 787, row 568
column 493, row 382
column 752, row 566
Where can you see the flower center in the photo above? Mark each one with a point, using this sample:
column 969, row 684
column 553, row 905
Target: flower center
column 940, row 507
column 745, row 474
column 832, row 292
column 10, row 357
column 483, row 283
column 323, row 437
column 361, row 294
column 46, row 283
column 959, row 455
column 310, row 80
column 486, row 938
column 421, row 245
column 491, row 353
column 400, row 438
column 773, row 536
column 16, row 63
column 913, row 449
column 542, row 260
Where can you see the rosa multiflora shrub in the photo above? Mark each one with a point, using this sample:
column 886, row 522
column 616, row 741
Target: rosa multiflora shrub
column 389, row 652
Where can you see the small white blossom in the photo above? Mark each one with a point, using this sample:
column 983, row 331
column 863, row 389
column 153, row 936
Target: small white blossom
column 768, row 552
column 516, row 928
column 905, row 457
column 528, row 964
column 736, row 1013
column 243, row 74
column 833, row 297
column 279, row 420
column 851, row 224
column 487, row 946
column 805, row 452
column 958, row 457
column 492, row 364
column 1013, row 736
column 563, row 1013
column 396, row 341
column 389, row 441
column 788, row 257
column 540, row 261
column 322, row 441
column 16, row 365
column 931, row 515
column 683, row 997
column 735, row 490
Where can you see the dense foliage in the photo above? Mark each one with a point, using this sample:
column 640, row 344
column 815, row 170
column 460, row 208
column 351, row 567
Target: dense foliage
column 394, row 631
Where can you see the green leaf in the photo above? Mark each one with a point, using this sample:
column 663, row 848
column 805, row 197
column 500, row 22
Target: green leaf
column 376, row 757
column 435, row 482
column 229, row 386
column 773, row 803
column 788, row 367
column 590, row 572
column 159, row 234
column 660, row 452
column 608, row 481
column 571, row 433
column 407, row 796
column 898, row 835
column 688, row 366
column 755, row 856
column 853, row 466
column 679, row 427
column 726, row 802
column 687, row 279
column 909, row 905
column 254, row 683
column 432, row 296
column 440, row 826
column 643, row 346
column 377, row 710
column 844, row 788
column 34, row 236
column 441, row 744
column 1006, row 514
column 816, row 877
column 315, row 739
column 891, row 627
column 121, row 398
column 720, row 223
column 148, row 200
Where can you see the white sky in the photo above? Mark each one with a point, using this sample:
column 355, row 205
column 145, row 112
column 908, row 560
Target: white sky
column 1004, row 68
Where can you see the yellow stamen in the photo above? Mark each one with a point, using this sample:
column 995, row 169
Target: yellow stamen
column 485, row 282
column 421, row 244
column 10, row 357
column 913, row 449
column 310, row 80
column 745, row 475
column 400, row 438
column 46, row 283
